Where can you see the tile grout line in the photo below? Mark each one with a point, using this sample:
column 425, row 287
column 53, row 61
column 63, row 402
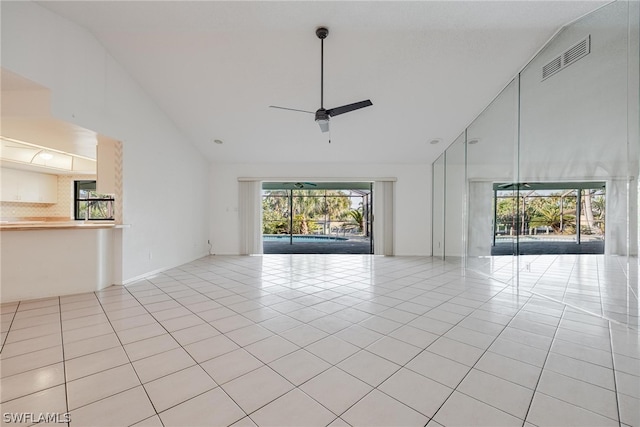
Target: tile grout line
column 423, row 350
column 582, row 381
column 476, row 362
column 535, row 390
column 185, row 350
column 472, row 312
column 615, row 375
column 64, row 363
column 15, row 313
column 33, row 369
column 130, row 363
column 536, row 293
column 333, row 365
column 602, row 311
column 506, row 287
column 248, row 415
column 566, row 304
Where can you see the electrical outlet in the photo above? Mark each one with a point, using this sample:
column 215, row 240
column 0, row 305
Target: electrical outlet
column 150, row 255
column 208, row 242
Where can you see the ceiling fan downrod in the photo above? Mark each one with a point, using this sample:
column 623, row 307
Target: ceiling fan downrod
column 322, row 33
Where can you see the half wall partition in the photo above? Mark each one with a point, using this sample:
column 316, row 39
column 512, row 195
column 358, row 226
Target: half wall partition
column 550, row 166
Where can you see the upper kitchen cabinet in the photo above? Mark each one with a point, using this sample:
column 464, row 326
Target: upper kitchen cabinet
column 28, row 187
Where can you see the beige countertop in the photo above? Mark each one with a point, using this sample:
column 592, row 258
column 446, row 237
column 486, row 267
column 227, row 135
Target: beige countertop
column 53, row 225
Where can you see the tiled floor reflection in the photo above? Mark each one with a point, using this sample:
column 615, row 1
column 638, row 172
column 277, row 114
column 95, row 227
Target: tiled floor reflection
column 605, row 286
column 338, row 340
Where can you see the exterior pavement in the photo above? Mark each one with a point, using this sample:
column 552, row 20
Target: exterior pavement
column 351, row 246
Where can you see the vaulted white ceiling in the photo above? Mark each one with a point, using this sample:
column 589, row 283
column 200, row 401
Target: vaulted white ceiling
column 428, row 67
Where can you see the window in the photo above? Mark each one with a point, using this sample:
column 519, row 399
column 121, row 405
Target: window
column 549, row 218
column 89, row 204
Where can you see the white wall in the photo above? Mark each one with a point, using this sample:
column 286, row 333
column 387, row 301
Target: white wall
column 412, row 193
column 574, row 123
column 165, row 179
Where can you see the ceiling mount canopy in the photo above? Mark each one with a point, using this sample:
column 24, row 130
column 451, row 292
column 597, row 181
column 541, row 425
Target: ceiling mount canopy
column 322, row 115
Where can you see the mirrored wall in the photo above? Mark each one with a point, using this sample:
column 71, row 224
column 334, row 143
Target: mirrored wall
column 541, row 189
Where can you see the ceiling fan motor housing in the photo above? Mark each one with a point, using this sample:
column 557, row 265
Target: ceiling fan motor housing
column 322, row 119
column 322, row 114
column 322, row 32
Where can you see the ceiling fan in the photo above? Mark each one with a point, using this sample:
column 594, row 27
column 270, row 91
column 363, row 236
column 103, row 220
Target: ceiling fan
column 514, row 185
column 299, row 185
column 322, row 114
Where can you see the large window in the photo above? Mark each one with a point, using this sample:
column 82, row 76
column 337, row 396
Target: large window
column 325, row 217
column 319, row 212
column 90, row 205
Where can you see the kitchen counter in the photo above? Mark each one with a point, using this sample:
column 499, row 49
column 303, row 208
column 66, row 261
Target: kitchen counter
column 50, row 258
column 54, row 225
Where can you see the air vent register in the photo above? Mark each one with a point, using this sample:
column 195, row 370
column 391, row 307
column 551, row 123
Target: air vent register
column 568, row 57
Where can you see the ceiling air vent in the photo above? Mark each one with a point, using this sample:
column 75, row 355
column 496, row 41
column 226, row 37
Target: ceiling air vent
column 571, row 55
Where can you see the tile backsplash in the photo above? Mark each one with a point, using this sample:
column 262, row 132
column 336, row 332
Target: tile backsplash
column 64, row 207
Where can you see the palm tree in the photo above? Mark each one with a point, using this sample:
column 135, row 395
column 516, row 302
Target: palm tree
column 336, row 206
column 308, row 206
column 305, row 207
column 358, row 217
column 549, row 215
column 598, row 203
column 275, row 212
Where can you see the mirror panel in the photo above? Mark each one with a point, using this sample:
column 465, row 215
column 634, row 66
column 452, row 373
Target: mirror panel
column 455, row 198
column 437, row 218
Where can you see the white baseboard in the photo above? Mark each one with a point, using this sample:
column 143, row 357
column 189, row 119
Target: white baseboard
column 159, row 270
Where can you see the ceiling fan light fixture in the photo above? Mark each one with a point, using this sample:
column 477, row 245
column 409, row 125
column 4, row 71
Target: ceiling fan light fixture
column 322, row 118
column 45, row 155
column 324, row 125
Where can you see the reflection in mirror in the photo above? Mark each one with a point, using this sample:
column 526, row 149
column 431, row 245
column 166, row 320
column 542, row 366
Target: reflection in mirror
column 574, row 132
column 455, row 198
column 438, row 218
column 548, row 172
column 573, row 123
column 550, row 217
column 491, row 158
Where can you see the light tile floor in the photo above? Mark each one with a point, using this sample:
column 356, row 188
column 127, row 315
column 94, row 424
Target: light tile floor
column 341, row 340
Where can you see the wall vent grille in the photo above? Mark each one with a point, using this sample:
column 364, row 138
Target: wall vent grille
column 551, row 68
column 571, row 55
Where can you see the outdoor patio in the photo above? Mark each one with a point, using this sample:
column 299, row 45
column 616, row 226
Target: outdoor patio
column 354, row 245
column 548, row 246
